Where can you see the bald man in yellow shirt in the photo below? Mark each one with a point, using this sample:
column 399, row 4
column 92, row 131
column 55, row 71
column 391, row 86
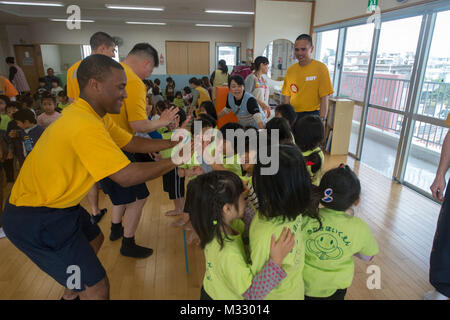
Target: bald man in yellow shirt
column 101, row 43
column 129, row 202
column 307, row 84
column 43, row 217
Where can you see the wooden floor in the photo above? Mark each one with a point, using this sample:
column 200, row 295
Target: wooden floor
column 403, row 223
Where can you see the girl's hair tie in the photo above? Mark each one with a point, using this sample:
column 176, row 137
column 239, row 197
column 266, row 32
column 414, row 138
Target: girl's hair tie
column 327, row 195
column 214, row 222
column 309, row 163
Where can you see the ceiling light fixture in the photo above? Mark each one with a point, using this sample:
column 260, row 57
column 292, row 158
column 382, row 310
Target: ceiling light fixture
column 122, row 7
column 65, row 20
column 228, row 12
column 214, row 25
column 42, row 4
column 152, row 23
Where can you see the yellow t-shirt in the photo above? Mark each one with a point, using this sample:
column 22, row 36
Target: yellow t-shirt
column 73, row 89
column 133, row 107
column 204, row 95
column 73, row 153
column 447, row 121
column 306, row 85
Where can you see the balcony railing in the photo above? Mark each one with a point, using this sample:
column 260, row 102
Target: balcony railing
column 391, row 91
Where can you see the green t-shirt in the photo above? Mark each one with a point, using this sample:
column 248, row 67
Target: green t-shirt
column 227, row 274
column 62, row 106
column 315, row 177
column 233, row 164
column 178, row 102
column 261, row 230
column 5, row 119
column 329, row 252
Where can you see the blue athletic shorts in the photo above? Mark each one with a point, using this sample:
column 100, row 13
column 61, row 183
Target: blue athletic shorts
column 120, row 195
column 57, row 241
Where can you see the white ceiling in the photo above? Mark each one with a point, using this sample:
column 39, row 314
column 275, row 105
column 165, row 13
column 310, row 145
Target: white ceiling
column 177, row 12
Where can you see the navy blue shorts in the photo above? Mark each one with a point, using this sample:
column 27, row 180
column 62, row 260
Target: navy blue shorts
column 173, row 184
column 57, row 241
column 120, row 195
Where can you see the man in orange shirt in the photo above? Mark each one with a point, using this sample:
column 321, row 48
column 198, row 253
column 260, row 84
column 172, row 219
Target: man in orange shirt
column 7, row 88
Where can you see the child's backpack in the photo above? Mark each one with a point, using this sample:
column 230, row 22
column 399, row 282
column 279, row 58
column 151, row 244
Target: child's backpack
column 243, row 71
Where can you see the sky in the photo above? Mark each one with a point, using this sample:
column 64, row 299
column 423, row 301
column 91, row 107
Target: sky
column 397, row 36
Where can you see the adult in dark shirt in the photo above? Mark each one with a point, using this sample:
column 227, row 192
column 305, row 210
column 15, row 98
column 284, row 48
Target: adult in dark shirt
column 51, row 77
column 243, row 104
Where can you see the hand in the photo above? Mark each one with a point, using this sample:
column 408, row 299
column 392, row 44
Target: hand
column 197, row 170
column 168, row 115
column 437, row 188
column 184, row 124
column 280, row 248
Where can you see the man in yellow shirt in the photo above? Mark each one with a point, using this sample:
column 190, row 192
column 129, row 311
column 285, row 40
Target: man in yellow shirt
column 307, row 83
column 42, row 216
column 101, row 43
column 128, row 202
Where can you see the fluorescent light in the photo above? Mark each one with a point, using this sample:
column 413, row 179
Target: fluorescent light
column 121, row 7
column 65, row 20
column 229, row 12
column 153, row 23
column 214, row 25
column 43, row 4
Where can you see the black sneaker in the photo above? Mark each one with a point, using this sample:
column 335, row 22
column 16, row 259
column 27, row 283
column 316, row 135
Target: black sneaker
column 131, row 249
column 96, row 219
column 116, row 232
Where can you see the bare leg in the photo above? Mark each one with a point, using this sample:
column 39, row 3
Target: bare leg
column 95, row 244
column 93, row 199
column 117, row 213
column 133, row 212
column 99, row 291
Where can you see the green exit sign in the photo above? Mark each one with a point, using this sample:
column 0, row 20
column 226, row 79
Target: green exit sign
column 372, row 5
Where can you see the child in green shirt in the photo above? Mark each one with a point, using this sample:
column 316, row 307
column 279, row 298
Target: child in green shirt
column 283, row 199
column 330, row 248
column 178, row 101
column 309, row 134
column 216, row 204
column 63, row 100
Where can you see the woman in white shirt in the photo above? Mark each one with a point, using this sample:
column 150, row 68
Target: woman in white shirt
column 257, row 84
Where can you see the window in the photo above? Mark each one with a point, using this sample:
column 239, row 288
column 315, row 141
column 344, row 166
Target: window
column 230, row 52
column 86, row 51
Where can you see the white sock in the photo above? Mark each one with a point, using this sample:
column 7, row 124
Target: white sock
column 434, row 295
column 2, row 233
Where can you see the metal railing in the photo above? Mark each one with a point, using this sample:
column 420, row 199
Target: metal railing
column 391, row 92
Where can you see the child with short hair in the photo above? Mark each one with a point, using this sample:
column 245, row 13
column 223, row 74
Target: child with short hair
column 178, row 101
column 329, row 249
column 208, row 108
column 284, row 131
column 49, row 115
column 170, row 89
column 55, row 88
column 4, row 101
column 187, row 96
column 41, row 89
column 31, row 132
column 63, row 100
column 284, row 198
column 156, row 96
column 216, row 203
column 287, row 112
column 309, row 133
column 12, row 137
column 27, row 102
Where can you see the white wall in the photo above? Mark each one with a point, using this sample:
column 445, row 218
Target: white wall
column 280, row 20
column 51, row 57
column 155, row 35
column 69, row 53
column 328, row 11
